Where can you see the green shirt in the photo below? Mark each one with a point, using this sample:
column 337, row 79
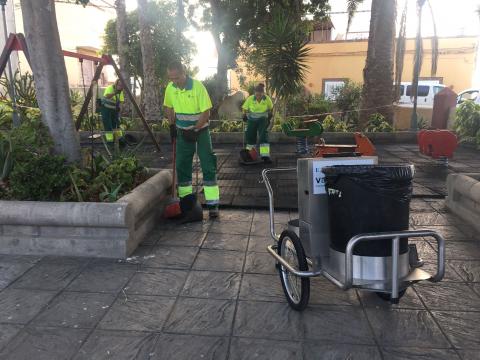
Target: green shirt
column 188, row 103
column 112, row 102
column 257, row 109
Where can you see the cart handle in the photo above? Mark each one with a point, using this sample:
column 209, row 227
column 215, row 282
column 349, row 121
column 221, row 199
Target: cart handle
column 271, row 208
column 395, row 238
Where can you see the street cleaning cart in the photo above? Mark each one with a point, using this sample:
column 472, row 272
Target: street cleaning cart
column 352, row 229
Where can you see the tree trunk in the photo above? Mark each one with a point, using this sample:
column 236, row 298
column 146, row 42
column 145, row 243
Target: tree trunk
column 51, row 82
column 221, row 82
column 377, row 92
column 122, row 46
column 150, row 82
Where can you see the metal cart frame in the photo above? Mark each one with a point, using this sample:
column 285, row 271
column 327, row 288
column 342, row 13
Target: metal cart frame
column 347, row 282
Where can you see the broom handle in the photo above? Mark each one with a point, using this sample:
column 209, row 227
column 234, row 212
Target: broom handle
column 196, row 167
column 174, row 188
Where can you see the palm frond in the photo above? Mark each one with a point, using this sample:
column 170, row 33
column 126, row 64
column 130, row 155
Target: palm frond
column 352, row 6
column 283, row 47
column 434, row 42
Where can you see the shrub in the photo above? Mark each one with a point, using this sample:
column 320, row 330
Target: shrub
column 330, row 124
column 377, row 123
column 40, row 178
column 5, row 116
column 229, row 126
column 317, row 104
column 467, row 122
column 6, row 158
column 31, row 138
column 347, row 99
column 277, row 122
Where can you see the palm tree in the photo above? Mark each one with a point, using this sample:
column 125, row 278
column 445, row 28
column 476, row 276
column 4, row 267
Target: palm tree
column 51, row 82
column 419, row 57
column 377, row 94
column 151, row 93
column 284, row 54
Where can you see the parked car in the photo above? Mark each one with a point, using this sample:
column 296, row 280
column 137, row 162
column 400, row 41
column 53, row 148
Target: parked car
column 469, row 94
column 425, row 93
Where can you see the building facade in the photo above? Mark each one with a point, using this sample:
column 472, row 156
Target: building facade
column 333, row 62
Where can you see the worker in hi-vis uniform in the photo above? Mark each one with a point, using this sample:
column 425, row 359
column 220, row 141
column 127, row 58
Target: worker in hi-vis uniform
column 257, row 110
column 110, row 110
column 188, row 109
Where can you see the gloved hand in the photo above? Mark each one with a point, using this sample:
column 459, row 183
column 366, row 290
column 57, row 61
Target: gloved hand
column 270, row 116
column 245, row 118
column 190, row 135
column 173, row 132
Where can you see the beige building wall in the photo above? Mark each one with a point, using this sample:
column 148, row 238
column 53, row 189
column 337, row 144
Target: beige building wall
column 346, row 59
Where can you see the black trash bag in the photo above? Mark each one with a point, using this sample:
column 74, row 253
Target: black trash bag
column 368, row 199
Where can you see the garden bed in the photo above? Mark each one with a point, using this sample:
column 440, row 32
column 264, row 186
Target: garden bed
column 111, row 230
column 464, row 197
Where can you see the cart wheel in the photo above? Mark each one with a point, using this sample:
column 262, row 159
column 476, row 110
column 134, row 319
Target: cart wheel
column 387, row 296
column 296, row 289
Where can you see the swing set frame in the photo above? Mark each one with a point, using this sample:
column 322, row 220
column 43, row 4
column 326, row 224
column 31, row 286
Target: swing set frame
column 17, row 42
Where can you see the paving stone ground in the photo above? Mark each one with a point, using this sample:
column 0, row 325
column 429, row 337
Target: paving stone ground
column 210, row 291
column 241, row 186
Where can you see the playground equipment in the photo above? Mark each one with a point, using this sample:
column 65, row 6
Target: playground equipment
column 16, row 42
column 437, row 143
column 363, row 146
column 336, row 201
column 312, row 127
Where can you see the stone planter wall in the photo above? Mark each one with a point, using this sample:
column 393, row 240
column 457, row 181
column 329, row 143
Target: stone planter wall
column 464, row 197
column 111, row 230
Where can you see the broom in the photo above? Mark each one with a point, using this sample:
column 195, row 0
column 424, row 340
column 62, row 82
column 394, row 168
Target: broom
column 172, row 209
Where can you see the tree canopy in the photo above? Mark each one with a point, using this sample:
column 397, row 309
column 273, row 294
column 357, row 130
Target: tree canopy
column 168, row 44
column 235, row 24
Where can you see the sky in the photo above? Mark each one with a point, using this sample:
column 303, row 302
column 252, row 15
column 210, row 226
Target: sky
column 453, row 18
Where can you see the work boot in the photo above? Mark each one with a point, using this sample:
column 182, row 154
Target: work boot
column 266, row 159
column 213, row 212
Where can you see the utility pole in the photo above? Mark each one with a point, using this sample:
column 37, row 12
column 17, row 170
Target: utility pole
column 11, row 87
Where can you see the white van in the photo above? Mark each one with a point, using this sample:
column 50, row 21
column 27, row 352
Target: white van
column 426, row 91
column 469, row 94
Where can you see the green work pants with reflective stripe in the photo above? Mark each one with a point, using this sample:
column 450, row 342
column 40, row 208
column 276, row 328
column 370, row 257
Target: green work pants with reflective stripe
column 208, row 162
column 110, row 119
column 259, row 126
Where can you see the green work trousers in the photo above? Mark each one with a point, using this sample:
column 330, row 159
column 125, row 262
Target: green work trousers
column 110, row 119
column 208, row 162
column 258, row 126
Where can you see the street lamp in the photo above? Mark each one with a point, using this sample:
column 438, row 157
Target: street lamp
column 11, row 87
